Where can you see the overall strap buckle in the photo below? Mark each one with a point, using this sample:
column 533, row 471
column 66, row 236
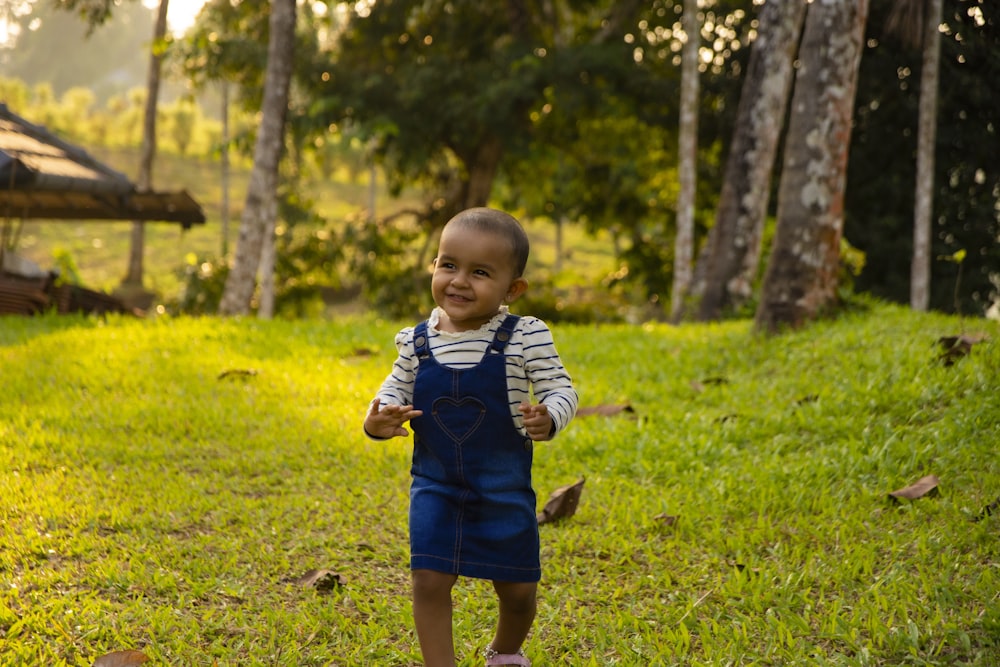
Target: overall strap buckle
column 504, row 333
column 420, row 342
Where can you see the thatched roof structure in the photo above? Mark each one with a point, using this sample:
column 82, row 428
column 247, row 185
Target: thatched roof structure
column 44, row 177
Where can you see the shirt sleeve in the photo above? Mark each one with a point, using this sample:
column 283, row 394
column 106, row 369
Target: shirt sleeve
column 397, row 388
column 550, row 382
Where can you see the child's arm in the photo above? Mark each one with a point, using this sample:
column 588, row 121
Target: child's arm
column 551, row 385
column 393, row 404
column 387, row 422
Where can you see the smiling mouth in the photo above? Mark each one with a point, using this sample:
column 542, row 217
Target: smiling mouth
column 458, row 297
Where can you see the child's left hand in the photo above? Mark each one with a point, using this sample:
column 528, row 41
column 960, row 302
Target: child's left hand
column 537, row 421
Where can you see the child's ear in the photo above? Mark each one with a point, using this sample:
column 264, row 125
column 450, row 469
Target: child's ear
column 516, row 289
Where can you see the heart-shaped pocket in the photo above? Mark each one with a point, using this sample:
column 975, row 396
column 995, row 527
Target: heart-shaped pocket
column 459, row 418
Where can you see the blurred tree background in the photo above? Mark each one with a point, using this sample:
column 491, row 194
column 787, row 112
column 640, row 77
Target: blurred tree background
column 563, row 112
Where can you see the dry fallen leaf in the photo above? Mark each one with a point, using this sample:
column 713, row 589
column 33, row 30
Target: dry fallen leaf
column 699, row 385
column 604, row 410
column 237, row 372
column 666, row 519
column 988, row 510
column 562, row 503
column 322, row 580
column 955, row 347
column 121, row 659
column 918, row 489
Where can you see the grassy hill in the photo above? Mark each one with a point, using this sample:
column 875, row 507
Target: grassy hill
column 165, row 483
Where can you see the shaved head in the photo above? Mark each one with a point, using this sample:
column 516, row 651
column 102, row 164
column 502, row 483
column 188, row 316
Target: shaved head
column 498, row 223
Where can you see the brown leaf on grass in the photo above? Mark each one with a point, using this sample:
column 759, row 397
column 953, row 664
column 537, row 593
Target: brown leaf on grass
column 605, row 410
column 742, row 568
column 121, row 659
column 562, row 503
column 237, row 372
column 362, row 352
column 920, row 488
column 699, row 385
column 322, row 580
column 955, row 347
column 666, row 519
column 988, row 510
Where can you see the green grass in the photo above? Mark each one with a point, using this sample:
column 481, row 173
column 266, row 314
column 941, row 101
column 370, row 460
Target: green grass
column 149, row 503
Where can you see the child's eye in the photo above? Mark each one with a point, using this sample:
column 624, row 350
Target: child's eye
column 482, row 272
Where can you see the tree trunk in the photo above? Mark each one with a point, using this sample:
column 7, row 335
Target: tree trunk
column 687, row 154
column 729, row 260
column 224, row 170
column 482, row 170
column 801, row 278
column 920, row 272
column 268, row 259
column 260, row 207
column 144, row 181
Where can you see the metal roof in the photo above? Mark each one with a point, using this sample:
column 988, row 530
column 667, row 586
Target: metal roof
column 42, row 176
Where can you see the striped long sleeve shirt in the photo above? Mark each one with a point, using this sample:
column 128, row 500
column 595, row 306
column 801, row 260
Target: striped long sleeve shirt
column 534, row 368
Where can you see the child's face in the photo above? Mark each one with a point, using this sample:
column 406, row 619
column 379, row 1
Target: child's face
column 473, row 276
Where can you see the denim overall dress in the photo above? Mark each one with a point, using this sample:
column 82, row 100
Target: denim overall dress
column 472, row 506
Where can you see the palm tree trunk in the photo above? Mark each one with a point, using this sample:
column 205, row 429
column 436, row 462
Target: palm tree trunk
column 920, row 272
column 801, row 278
column 687, row 161
column 144, row 181
column 260, row 208
column 728, row 264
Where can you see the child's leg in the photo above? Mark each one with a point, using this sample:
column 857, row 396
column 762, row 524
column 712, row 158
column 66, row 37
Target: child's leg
column 432, row 616
column 517, row 613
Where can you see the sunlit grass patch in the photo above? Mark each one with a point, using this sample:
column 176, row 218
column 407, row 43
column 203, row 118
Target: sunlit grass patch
column 165, row 482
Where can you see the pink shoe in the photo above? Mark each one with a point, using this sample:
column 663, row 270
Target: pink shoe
column 493, row 658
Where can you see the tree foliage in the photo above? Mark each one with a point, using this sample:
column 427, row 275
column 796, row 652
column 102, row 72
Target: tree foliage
column 564, row 106
column 568, row 111
column 879, row 203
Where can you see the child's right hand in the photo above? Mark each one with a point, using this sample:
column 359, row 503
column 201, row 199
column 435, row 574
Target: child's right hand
column 387, row 422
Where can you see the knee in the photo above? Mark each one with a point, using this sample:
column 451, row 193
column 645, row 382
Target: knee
column 517, row 598
column 428, row 584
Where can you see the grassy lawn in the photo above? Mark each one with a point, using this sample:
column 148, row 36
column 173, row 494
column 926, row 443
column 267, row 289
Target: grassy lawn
column 164, row 482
